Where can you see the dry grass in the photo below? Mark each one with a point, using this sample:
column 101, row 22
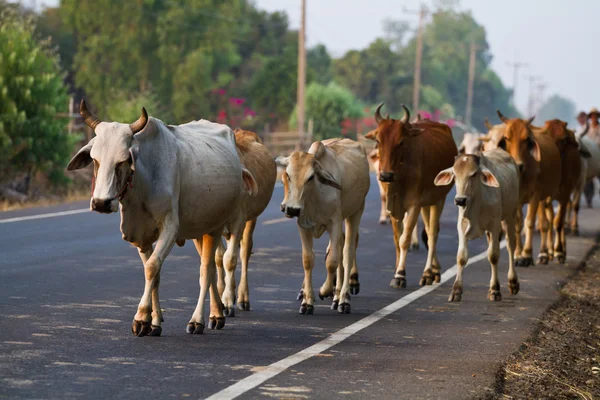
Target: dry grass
column 70, row 197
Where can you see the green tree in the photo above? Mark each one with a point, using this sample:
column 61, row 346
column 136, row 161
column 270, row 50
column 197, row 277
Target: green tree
column 319, row 61
column 32, row 92
column 328, row 106
column 556, row 107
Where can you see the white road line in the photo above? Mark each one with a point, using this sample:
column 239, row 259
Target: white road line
column 258, row 378
column 276, row 221
column 42, row 216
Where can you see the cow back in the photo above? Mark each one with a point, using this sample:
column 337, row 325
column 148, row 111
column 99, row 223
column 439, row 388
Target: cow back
column 550, row 165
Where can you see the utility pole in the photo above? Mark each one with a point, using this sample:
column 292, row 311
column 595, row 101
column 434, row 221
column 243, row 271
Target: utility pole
column 531, row 100
column 417, row 81
column 516, row 66
column 469, row 109
column 541, row 88
column 301, row 77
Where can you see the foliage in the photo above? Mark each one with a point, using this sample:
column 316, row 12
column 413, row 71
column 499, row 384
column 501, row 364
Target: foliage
column 127, row 107
column 556, row 107
column 328, row 106
column 32, row 92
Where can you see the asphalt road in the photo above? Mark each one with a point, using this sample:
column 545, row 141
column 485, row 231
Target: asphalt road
column 69, row 287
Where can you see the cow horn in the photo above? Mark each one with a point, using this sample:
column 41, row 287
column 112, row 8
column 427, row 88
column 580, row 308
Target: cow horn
column 530, row 120
column 406, row 116
column 501, row 116
column 378, row 116
column 487, row 124
column 90, row 119
column 587, row 128
column 140, row 123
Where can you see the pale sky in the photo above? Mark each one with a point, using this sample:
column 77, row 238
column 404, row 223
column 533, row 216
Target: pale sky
column 557, row 39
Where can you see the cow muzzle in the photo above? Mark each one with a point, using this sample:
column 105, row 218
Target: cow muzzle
column 386, row 176
column 104, row 206
column 292, row 212
column 460, row 201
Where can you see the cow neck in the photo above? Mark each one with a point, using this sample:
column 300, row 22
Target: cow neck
column 132, row 192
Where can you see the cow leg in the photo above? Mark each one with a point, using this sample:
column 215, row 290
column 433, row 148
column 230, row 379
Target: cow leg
column 575, row 216
column 588, row 192
column 432, row 272
column 243, row 300
column 511, row 238
column 354, row 283
column 349, row 258
column 543, row 214
column 493, row 256
column 308, row 262
column 220, row 269
column 560, row 245
column 140, row 322
column 230, row 259
column 383, row 215
column 399, row 280
column 549, row 210
column 518, row 237
column 332, row 260
column 526, row 256
column 462, row 257
column 414, row 238
column 206, row 247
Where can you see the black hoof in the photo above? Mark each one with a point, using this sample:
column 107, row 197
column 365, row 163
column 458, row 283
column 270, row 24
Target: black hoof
column 195, row 328
column 575, row 232
column 216, row 322
column 437, row 277
column 398, row 283
column 326, row 295
column 244, row 305
column 307, row 309
column 344, row 308
column 455, row 297
column 426, row 281
column 514, row 288
column 156, row 331
column 413, row 247
column 334, row 305
column 355, row 288
column 229, row 312
column 140, row 328
column 382, row 221
column 300, row 295
column 542, row 259
column 494, row 295
column 524, row 262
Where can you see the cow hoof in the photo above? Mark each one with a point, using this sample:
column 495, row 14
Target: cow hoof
column 413, row 247
column 195, row 328
column 244, row 305
column 455, row 297
column 524, row 261
column 344, row 308
column 437, row 277
column 575, row 232
column 300, row 295
column 229, row 312
column 398, row 283
column 334, row 305
column 156, row 331
column 307, row 309
column 354, row 288
column 561, row 258
column 494, row 295
column 426, row 281
column 382, row 221
column 514, row 287
column 216, row 322
column 140, row 328
column 542, row 259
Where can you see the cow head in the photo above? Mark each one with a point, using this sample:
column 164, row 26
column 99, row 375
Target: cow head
column 114, row 159
column 302, row 175
column 563, row 137
column 470, row 144
column 391, row 135
column 518, row 140
column 468, row 173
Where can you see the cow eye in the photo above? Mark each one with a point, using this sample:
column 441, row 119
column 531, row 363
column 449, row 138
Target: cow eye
column 310, row 178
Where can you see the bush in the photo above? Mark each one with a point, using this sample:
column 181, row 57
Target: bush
column 32, row 93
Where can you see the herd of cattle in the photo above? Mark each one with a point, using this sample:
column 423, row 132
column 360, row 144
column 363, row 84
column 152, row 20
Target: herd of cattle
column 202, row 181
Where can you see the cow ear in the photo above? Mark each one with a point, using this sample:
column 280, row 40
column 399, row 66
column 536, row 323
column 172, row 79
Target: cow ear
column 445, row 177
column 461, row 149
column 133, row 155
column 372, row 135
column 535, row 151
column 325, row 177
column 374, row 155
column 415, row 131
column 282, row 162
column 318, row 149
column 250, row 185
column 82, row 158
column 488, row 178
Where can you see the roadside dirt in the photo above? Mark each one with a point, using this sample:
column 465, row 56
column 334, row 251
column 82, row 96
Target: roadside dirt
column 561, row 360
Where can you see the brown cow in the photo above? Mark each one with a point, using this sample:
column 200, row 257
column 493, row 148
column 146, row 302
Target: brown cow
column 569, row 178
column 538, row 160
column 411, row 155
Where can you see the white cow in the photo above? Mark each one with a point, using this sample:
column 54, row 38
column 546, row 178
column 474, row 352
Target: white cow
column 471, row 143
column 323, row 188
column 172, row 183
column 487, row 194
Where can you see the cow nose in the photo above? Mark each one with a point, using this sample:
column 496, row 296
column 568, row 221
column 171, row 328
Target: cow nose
column 386, row 176
column 460, row 201
column 291, row 212
column 521, row 167
column 100, row 205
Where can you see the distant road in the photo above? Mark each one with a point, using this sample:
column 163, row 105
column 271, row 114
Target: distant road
column 69, row 287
